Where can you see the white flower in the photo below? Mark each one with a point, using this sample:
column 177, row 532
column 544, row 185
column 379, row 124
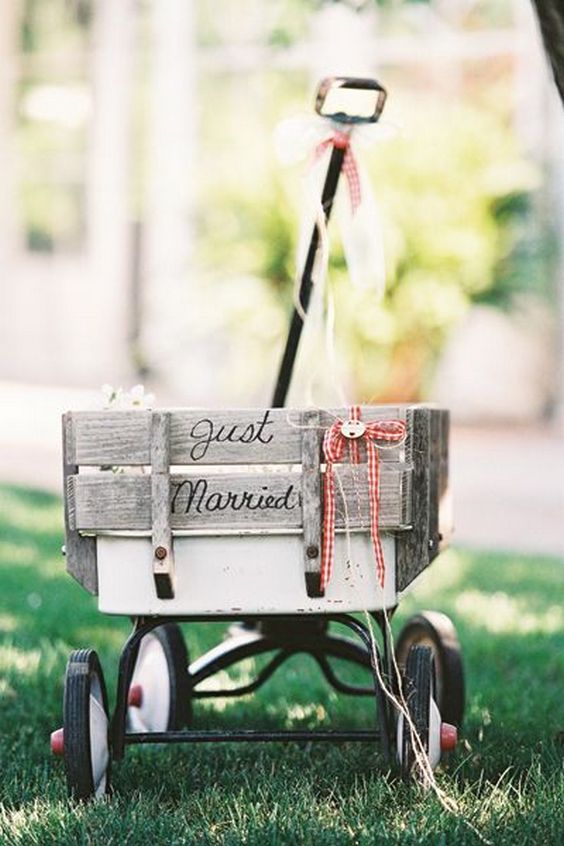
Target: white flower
column 117, row 398
column 110, row 396
column 137, row 397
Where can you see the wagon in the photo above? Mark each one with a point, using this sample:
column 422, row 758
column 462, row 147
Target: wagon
column 184, row 515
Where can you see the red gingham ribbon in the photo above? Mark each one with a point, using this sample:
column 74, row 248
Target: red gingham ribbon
column 342, row 141
column 334, row 445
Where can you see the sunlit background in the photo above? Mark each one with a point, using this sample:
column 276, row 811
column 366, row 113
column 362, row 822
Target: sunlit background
column 148, row 232
column 148, row 236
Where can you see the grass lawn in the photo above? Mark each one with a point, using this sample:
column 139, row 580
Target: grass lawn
column 508, row 774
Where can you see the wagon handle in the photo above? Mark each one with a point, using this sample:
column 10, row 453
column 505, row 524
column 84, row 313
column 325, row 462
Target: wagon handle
column 325, row 96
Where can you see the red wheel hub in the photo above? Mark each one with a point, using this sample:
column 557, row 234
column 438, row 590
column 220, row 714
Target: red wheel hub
column 57, row 742
column 449, row 737
column 135, row 696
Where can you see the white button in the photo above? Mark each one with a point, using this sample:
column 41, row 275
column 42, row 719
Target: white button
column 353, row 429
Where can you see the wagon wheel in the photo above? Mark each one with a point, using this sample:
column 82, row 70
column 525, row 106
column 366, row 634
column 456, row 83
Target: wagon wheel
column 437, row 631
column 160, row 694
column 419, row 689
column 85, row 729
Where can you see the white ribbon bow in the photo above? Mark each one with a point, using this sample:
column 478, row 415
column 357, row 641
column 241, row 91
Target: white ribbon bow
column 305, row 137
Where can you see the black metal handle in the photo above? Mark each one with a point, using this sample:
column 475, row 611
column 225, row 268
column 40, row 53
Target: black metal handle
column 306, row 282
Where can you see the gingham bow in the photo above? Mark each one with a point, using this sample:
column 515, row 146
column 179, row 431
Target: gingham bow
column 335, row 441
column 342, row 141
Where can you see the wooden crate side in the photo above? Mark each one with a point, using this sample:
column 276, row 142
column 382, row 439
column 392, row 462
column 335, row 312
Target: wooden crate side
column 412, row 548
column 434, row 466
column 80, row 552
column 445, row 503
column 202, row 437
column 122, row 502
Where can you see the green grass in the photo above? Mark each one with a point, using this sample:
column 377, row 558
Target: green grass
column 507, row 775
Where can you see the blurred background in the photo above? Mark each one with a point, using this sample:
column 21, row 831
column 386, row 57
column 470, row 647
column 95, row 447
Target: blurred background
column 148, row 232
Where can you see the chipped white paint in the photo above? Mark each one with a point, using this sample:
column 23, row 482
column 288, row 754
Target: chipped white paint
column 247, row 574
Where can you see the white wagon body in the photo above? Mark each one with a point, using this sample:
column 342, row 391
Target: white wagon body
column 246, row 574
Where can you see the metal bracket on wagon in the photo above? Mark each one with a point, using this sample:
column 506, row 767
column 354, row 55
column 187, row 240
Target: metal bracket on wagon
column 311, row 501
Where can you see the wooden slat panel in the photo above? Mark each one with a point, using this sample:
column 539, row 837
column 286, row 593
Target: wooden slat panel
column 434, row 459
column 107, row 501
column 445, row 504
column 259, row 436
column 80, row 552
column 248, row 436
column 111, row 437
column 412, row 548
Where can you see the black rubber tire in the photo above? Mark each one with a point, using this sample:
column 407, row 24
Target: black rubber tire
column 418, row 687
column 83, row 677
column 171, row 639
column 437, row 631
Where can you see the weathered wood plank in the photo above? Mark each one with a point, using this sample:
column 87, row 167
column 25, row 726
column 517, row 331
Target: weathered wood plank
column 445, row 501
column 311, row 501
column 108, row 502
column 412, row 548
column 163, row 553
column 80, row 552
column 434, row 458
column 245, row 436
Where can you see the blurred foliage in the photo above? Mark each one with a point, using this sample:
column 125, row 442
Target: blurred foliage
column 283, row 23
column 278, row 23
column 52, row 194
column 455, row 197
column 52, row 25
column 51, row 145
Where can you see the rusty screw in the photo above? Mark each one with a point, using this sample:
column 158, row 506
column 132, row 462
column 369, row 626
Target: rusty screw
column 160, row 553
column 312, row 551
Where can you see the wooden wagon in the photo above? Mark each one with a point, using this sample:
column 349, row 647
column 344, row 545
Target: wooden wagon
column 187, row 514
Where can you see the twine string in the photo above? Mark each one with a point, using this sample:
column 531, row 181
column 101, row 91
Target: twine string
column 420, row 754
